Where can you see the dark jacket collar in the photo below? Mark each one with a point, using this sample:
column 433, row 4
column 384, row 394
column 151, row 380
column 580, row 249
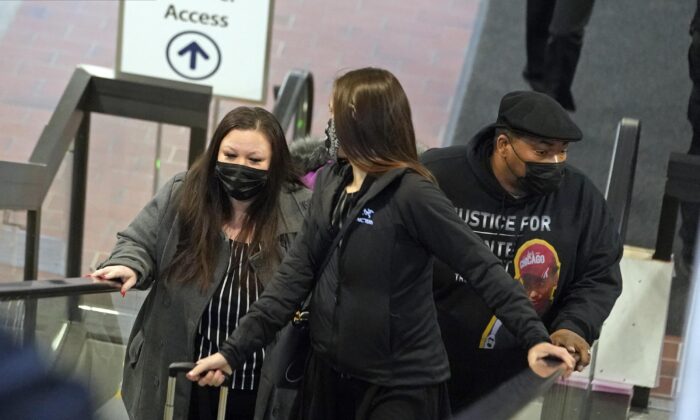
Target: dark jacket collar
column 294, row 202
column 293, row 208
column 341, row 174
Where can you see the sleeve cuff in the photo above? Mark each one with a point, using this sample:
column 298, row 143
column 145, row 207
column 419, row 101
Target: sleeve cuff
column 537, row 340
column 229, row 354
column 572, row 325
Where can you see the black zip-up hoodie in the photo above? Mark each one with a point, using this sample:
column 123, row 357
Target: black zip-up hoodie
column 378, row 321
column 563, row 246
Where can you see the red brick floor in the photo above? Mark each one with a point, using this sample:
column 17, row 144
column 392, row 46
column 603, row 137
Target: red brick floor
column 423, row 43
column 670, row 360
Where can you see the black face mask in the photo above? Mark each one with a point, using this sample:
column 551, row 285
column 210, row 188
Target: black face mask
column 332, row 143
column 540, row 178
column 241, row 182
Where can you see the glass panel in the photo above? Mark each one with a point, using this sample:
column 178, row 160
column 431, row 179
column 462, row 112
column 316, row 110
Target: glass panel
column 83, row 337
column 54, row 222
column 118, row 188
column 13, row 233
column 54, row 231
column 12, row 319
column 174, row 149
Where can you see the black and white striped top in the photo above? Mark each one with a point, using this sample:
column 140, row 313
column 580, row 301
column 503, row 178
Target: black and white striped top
column 231, row 300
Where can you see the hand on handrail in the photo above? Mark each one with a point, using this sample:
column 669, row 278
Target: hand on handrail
column 117, row 275
column 575, row 344
column 545, row 359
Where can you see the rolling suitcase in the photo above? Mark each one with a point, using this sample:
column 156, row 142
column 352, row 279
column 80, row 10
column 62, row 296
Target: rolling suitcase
column 185, row 367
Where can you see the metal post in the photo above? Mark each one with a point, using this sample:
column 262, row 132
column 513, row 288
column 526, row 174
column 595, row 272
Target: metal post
column 667, row 228
column 31, row 271
column 215, row 115
column 198, row 141
column 170, row 399
column 156, row 166
column 76, row 216
column 76, row 224
column 31, row 245
column 223, row 400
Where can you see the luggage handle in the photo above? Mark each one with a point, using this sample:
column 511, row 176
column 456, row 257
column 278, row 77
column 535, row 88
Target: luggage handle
column 184, row 367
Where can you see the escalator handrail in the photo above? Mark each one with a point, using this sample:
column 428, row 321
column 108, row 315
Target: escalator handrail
column 512, row 395
column 52, row 288
column 618, row 192
column 298, row 86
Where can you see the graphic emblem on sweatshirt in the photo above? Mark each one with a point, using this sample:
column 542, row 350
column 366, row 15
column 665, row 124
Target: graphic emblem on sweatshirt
column 366, row 218
column 537, row 268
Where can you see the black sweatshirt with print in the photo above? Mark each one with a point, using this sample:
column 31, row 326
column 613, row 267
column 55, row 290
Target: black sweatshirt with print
column 563, row 247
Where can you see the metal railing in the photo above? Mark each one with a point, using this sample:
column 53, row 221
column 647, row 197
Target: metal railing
column 92, row 89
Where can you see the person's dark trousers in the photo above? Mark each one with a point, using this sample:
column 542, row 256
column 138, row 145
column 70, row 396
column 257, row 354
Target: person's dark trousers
column 554, row 38
column 204, row 403
column 328, row 394
column 478, row 373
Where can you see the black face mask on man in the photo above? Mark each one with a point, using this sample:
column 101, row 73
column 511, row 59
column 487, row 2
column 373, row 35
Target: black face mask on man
column 540, row 178
column 240, row 182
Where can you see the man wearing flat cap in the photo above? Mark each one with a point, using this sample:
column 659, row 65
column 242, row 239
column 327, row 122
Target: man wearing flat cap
column 546, row 222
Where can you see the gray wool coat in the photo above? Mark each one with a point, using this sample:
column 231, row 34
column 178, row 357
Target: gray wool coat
column 165, row 328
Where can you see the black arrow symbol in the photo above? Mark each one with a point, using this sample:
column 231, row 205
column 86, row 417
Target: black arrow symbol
column 194, row 49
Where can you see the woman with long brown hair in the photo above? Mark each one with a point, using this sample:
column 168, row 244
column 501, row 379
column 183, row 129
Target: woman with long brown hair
column 366, row 252
column 206, row 245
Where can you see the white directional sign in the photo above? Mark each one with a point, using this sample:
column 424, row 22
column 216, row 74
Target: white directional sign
column 219, row 43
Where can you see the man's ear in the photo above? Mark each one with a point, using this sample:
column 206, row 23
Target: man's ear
column 501, row 144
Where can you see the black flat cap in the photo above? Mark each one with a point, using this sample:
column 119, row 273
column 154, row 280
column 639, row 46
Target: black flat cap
column 538, row 115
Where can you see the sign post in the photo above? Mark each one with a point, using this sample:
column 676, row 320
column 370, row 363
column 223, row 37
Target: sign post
column 220, row 43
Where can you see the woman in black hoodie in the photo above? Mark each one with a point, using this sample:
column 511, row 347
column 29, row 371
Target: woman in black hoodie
column 366, row 252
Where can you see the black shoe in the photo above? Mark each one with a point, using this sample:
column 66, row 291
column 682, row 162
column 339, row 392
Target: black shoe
column 538, row 84
column 536, row 81
column 566, row 100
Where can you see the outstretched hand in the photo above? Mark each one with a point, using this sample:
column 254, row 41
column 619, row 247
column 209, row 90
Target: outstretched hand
column 540, row 357
column 575, row 344
column 210, row 371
